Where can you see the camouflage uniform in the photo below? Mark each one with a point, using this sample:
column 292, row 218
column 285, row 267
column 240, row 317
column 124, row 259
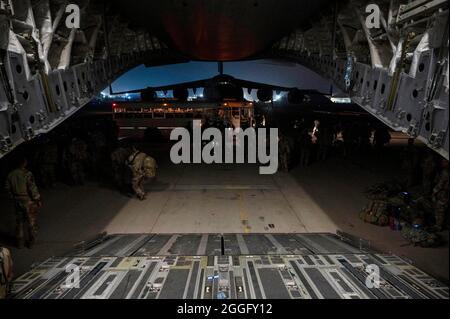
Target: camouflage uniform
column 118, row 160
column 75, row 158
column 142, row 167
column 440, row 200
column 23, row 190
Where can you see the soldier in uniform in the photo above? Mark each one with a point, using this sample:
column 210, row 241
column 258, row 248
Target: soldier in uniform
column 75, row 158
column 118, row 160
column 142, row 167
column 27, row 200
column 440, row 198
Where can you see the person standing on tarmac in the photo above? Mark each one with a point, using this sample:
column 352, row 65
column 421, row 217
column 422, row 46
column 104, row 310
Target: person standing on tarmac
column 22, row 188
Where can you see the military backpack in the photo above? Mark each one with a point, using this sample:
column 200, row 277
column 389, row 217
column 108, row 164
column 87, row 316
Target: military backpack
column 376, row 213
column 420, row 237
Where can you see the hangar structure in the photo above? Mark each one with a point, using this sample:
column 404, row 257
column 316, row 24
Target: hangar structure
column 394, row 65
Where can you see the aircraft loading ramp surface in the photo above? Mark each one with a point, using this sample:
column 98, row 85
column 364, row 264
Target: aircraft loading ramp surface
column 230, row 266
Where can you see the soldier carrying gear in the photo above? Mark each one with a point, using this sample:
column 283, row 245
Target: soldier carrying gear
column 440, row 198
column 142, row 166
column 23, row 190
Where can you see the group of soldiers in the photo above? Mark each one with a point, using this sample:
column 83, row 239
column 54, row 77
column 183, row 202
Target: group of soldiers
column 75, row 157
column 101, row 153
column 318, row 141
column 71, row 152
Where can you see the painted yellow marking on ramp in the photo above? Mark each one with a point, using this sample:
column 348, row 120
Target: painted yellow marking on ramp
column 129, row 263
column 204, row 262
column 244, row 215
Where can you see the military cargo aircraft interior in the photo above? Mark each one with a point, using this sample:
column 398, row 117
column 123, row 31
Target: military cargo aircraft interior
column 203, row 150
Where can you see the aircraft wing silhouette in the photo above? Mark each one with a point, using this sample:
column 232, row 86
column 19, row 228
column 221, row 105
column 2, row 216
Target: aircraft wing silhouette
column 209, row 83
column 184, row 85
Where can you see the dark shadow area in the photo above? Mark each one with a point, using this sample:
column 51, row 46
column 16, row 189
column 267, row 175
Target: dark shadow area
column 70, row 213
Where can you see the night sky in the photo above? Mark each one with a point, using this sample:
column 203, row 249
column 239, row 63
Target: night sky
column 263, row 71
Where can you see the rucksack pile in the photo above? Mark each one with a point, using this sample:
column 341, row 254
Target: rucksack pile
column 420, row 237
column 376, row 213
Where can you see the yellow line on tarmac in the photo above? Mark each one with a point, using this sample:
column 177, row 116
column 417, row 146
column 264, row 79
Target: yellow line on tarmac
column 243, row 214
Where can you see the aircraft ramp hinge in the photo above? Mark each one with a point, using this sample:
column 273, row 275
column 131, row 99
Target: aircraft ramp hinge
column 437, row 139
